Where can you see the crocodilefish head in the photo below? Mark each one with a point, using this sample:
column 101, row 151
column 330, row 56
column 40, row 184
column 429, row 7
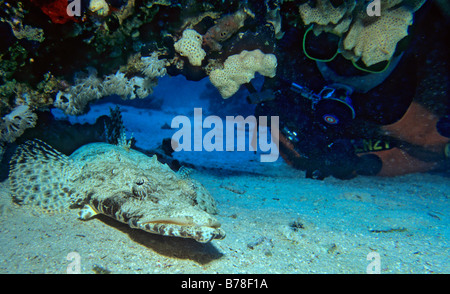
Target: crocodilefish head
column 150, row 197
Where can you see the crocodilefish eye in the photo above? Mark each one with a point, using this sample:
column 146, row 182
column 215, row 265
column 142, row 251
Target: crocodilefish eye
column 143, row 188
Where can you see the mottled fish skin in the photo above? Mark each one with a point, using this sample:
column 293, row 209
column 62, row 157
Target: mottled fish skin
column 121, row 183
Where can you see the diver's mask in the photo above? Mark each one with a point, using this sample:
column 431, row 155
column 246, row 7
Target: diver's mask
column 333, row 105
column 328, row 41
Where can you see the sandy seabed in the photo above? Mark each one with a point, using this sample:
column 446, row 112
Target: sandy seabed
column 282, row 224
column 276, row 221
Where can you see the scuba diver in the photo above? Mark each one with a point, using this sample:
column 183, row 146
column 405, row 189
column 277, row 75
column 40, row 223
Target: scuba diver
column 341, row 118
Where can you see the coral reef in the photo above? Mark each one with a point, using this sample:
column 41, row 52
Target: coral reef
column 99, row 6
column 372, row 39
column 27, row 32
column 324, row 13
column 73, row 101
column 117, row 84
column 42, row 96
column 152, row 67
column 131, row 43
column 377, row 41
column 149, row 66
column 56, row 10
column 274, row 18
column 374, row 42
column 15, row 123
column 240, row 69
column 190, row 46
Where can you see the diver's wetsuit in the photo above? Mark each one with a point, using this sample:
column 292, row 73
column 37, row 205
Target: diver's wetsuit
column 323, row 149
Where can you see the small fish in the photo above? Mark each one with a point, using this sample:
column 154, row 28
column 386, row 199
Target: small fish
column 121, row 183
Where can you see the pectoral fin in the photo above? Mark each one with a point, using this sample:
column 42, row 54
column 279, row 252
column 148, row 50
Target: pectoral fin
column 87, row 212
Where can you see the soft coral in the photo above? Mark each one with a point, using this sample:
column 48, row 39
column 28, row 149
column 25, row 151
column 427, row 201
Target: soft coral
column 55, row 9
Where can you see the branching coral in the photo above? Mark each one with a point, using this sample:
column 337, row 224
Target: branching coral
column 240, row 69
column 16, row 122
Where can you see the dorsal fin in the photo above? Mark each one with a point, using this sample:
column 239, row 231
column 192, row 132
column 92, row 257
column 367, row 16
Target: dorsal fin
column 38, row 176
column 184, row 172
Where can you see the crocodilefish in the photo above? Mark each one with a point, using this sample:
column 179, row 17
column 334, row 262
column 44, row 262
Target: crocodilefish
column 121, row 183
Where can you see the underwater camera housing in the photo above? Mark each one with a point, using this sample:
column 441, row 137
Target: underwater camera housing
column 332, row 105
column 335, row 108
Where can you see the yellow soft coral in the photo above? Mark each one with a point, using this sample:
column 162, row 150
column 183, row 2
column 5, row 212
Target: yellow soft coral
column 324, row 13
column 240, row 69
column 370, row 38
column 376, row 41
column 190, row 46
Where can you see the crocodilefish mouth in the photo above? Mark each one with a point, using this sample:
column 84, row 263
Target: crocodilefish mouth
column 180, row 227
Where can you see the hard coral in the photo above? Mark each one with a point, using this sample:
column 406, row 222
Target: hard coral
column 15, row 123
column 190, row 46
column 240, row 69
